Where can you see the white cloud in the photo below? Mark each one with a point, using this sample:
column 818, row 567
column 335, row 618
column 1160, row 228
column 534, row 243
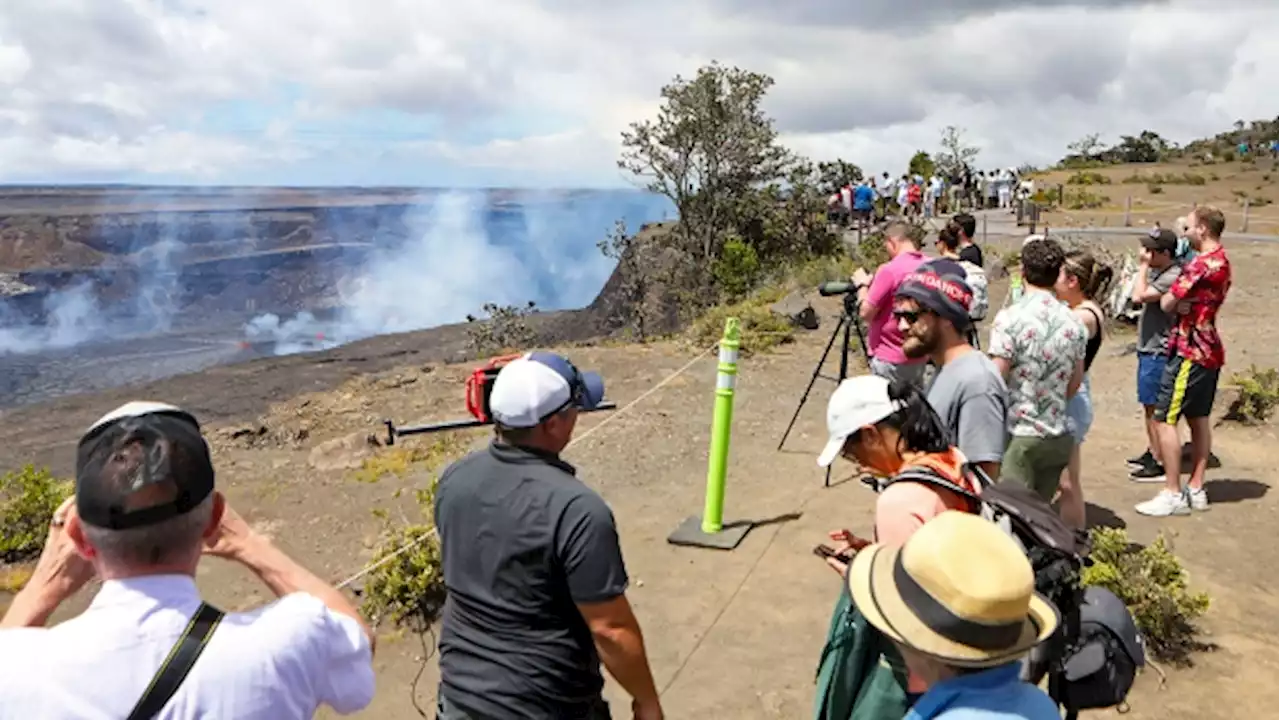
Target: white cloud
column 103, row 87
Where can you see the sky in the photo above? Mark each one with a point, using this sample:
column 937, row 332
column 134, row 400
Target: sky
column 535, row 93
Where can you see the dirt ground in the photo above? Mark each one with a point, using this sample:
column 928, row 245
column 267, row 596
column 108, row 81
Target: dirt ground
column 730, row 634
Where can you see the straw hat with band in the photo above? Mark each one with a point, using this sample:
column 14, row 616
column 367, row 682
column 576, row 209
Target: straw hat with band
column 960, row 590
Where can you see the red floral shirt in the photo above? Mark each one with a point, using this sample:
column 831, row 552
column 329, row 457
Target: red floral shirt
column 1204, row 283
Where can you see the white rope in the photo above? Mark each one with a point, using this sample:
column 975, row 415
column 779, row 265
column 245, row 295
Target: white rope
column 613, row 416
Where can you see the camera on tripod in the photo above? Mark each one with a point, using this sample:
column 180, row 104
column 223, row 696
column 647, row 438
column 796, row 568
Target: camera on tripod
column 836, row 287
column 849, row 325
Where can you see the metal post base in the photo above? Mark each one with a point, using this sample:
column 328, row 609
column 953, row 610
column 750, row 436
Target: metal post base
column 690, row 534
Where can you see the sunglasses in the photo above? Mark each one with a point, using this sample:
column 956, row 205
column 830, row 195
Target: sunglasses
column 911, row 316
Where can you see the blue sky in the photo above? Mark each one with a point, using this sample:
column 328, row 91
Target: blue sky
column 428, row 92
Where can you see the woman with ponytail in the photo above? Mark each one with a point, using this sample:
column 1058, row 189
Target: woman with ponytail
column 890, row 431
column 1082, row 280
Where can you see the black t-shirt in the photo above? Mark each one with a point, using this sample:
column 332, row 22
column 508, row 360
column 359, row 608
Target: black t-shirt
column 522, row 542
column 972, row 253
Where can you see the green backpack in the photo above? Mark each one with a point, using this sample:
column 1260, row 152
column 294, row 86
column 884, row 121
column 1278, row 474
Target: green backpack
column 860, row 675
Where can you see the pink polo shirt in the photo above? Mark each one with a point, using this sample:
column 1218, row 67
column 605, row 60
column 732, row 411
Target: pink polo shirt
column 883, row 338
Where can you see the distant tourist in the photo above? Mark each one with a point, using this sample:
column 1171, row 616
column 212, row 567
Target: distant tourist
column 538, row 601
column 1039, row 347
column 1157, row 271
column 864, row 199
column 967, row 224
column 1196, row 357
column 948, row 246
column 144, row 511
column 875, row 307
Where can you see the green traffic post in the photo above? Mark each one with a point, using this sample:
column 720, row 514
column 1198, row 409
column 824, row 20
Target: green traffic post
column 721, row 420
column 710, row 530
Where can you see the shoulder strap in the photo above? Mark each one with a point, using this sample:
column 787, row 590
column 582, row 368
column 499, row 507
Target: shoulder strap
column 175, row 667
column 928, row 477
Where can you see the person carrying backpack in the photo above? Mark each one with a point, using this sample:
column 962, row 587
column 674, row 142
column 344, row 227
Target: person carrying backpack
column 890, row 430
column 887, row 428
column 960, row 624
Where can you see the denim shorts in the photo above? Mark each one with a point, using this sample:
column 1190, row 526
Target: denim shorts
column 1150, row 370
column 1080, row 412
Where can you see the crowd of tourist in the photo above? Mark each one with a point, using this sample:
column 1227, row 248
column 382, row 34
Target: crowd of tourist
column 536, row 580
column 914, row 195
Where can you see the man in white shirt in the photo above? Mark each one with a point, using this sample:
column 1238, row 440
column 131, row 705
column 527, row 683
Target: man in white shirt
column 144, row 512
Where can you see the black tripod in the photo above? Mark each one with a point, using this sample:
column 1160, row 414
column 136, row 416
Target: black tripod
column 849, row 321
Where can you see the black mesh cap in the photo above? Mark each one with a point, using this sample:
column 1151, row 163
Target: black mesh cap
column 141, row 464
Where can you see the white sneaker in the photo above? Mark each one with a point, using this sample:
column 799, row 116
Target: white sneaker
column 1165, row 504
column 1198, row 499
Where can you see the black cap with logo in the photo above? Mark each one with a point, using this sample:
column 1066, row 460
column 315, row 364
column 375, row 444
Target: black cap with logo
column 141, row 464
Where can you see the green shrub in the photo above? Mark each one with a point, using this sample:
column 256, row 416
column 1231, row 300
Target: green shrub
column 408, row 589
column 399, row 460
column 28, row 498
column 1259, row 395
column 809, row 274
column 506, row 329
column 1088, row 178
column 1083, row 200
column 737, row 270
column 1153, row 584
column 761, row 328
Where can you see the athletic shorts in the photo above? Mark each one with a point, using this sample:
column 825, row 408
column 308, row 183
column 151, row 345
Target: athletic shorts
column 1150, row 372
column 1186, row 390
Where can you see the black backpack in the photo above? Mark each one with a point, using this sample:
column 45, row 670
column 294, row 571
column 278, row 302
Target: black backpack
column 1092, row 659
column 1101, row 665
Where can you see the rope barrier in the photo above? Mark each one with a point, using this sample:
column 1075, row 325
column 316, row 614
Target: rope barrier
column 591, row 431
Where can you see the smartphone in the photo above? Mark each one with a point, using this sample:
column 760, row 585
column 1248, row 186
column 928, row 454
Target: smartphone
column 826, row 551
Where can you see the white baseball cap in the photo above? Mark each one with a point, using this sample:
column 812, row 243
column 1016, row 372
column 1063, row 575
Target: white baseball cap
column 537, row 385
column 858, row 402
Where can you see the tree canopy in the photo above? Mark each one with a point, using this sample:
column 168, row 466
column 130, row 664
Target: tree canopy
column 745, row 203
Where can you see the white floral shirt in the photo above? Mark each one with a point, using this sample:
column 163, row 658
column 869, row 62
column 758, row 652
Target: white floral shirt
column 1042, row 340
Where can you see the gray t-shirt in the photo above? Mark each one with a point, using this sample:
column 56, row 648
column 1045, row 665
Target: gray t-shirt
column 1154, row 323
column 971, row 398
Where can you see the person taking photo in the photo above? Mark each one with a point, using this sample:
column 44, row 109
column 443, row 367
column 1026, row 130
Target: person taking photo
column 144, row 512
column 875, row 307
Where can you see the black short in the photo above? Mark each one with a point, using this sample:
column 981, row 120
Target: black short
column 1186, row 390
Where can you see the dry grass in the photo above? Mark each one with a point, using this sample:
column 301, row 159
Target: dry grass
column 401, row 460
column 1160, row 192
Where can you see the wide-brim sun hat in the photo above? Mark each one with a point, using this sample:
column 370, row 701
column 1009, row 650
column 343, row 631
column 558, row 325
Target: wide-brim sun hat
column 960, row 591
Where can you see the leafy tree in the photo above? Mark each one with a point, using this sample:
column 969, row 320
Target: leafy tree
column 1145, row 148
column 1086, row 147
column 956, row 152
column 835, row 174
column 710, row 143
column 921, row 164
column 714, row 153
